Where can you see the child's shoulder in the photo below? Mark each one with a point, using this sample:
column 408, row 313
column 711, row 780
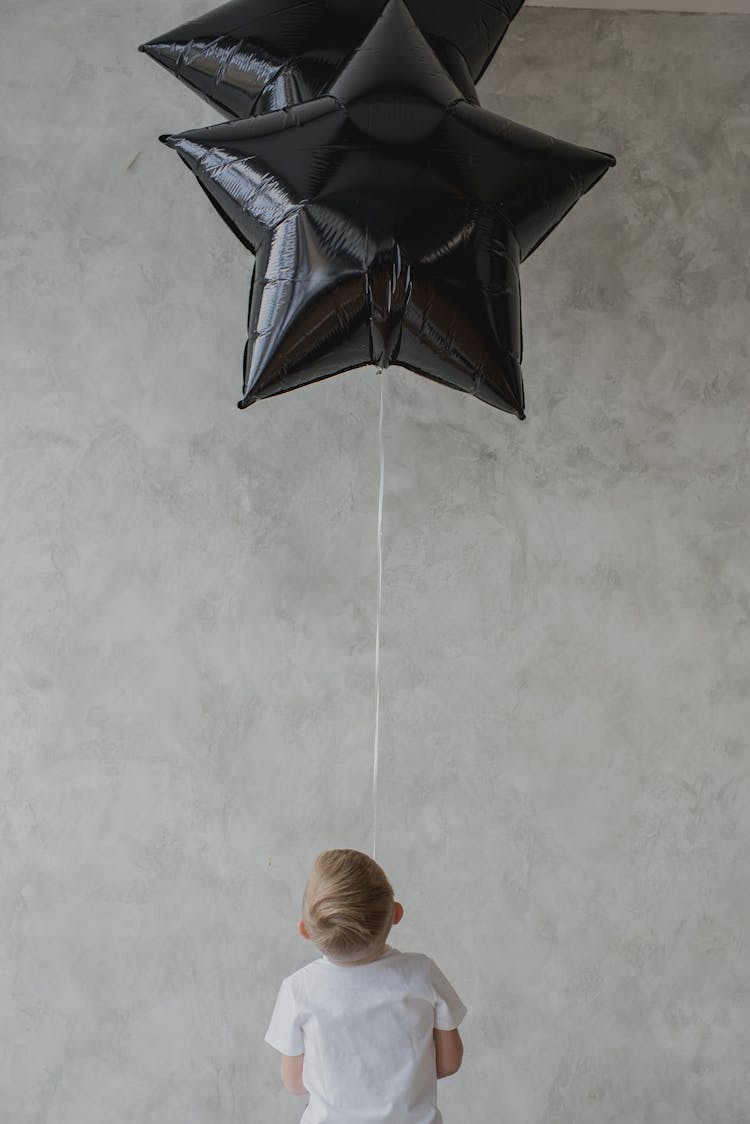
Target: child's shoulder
column 418, row 965
column 297, row 976
column 417, row 960
column 412, row 965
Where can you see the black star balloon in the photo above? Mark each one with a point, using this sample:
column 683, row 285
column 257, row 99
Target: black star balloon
column 389, row 220
column 254, row 56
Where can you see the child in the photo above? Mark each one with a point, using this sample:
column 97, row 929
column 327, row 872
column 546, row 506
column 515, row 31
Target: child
column 365, row 1030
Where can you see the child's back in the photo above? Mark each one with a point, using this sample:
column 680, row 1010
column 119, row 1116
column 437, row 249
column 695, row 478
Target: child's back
column 365, row 1032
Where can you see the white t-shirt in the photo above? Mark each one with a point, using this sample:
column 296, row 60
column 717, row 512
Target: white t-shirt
column 366, row 1033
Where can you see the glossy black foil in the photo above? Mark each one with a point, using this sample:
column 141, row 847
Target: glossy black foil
column 255, row 56
column 389, row 219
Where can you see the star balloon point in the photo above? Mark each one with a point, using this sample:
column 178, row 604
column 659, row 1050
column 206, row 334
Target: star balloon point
column 252, row 56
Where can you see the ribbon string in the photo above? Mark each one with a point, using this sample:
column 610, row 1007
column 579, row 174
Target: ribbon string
column 376, row 751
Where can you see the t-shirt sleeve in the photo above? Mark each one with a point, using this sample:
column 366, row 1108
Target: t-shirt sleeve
column 285, row 1029
column 449, row 1010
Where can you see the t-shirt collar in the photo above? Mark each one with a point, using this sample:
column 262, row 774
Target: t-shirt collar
column 339, row 964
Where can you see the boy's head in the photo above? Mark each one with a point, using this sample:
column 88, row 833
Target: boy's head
column 348, row 906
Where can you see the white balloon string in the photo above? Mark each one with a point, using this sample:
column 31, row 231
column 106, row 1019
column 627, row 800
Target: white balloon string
column 376, row 753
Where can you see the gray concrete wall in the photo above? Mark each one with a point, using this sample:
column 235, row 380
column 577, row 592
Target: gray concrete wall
column 189, row 594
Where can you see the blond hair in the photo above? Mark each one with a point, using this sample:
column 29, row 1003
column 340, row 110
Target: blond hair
column 348, row 904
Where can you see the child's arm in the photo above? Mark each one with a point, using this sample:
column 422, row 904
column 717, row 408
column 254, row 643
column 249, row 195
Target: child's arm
column 449, row 1051
column 291, row 1074
column 285, row 1033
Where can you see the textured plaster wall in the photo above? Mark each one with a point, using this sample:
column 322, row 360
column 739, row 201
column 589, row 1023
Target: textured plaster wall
column 188, row 600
